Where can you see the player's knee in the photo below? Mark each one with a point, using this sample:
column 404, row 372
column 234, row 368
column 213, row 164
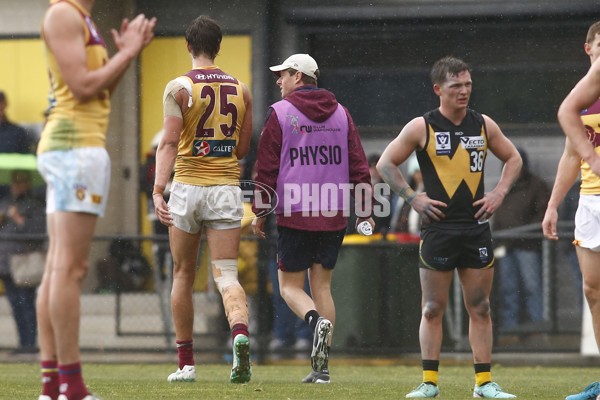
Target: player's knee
column 73, row 270
column 480, row 309
column 433, row 310
column 286, row 292
column 225, row 274
column 282, row 291
column 592, row 293
column 183, row 271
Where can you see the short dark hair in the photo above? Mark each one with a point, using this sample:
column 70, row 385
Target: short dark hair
column 307, row 80
column 204, row 37
column 592, row 32
column 447, row 66
column 2, row 96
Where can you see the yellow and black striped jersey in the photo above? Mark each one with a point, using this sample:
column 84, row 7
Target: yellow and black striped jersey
column 452, row 163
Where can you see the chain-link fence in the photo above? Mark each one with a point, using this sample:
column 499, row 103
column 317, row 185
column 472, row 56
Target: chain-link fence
column 375, row 287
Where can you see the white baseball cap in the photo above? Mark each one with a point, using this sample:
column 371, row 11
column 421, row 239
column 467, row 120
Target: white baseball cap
column 300, row 62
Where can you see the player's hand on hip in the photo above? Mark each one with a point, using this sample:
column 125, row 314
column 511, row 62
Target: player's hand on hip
column 489, row 203
column 428, row 208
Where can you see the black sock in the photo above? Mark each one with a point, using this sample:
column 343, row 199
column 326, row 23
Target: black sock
column 311, row 318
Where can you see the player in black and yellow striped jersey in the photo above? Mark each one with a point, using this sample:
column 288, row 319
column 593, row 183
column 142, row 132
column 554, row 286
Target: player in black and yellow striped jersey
column 451, row 143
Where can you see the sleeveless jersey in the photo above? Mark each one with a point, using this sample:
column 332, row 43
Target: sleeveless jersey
column 72, row 124
column 452, row 163
column 590, row 182
column 313, row 166
column 211, row 129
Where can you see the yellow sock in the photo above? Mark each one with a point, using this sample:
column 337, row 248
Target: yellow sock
column 483, row 377
column 430, row 376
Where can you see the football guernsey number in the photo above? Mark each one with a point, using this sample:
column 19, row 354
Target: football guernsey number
column 225, row 108
column 477, row 161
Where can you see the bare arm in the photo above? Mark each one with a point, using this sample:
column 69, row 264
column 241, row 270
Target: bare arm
column 566, row 175
column 506, row 152
column 583, row 95
column 411, row 138
column 65, row 37
column 246, row 131
column 166, row 155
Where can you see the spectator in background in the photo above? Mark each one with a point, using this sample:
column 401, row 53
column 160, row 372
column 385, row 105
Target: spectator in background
column 382, row 220
column 566, row 212
column 21, row 212
column 520, row 271
column 13, row 138
column 147, row 174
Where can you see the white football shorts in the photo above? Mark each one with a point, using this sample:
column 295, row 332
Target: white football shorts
column 216, row 207
column 587, row 222
column 77, row 180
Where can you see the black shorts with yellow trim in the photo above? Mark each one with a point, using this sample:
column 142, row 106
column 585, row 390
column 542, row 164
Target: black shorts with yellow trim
column 444, row 249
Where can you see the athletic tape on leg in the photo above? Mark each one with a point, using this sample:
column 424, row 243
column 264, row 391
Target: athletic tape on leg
column 225, row 273
column 234, row 297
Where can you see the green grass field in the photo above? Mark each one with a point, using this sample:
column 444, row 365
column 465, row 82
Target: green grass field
column 143, row 382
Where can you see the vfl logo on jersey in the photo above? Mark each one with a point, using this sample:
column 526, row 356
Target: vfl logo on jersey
column 483, row 254
column 213, row 148
column 442, row 143
column 294, row 123
column 472, row 142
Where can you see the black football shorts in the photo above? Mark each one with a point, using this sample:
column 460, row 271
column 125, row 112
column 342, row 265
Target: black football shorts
column 447, row 249
column 298, row 250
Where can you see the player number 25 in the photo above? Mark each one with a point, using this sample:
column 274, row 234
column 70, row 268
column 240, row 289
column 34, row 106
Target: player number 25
column 225, row 108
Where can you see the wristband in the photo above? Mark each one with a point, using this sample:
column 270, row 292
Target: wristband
column 407, row 193
column 411, row 197
column 158, row 190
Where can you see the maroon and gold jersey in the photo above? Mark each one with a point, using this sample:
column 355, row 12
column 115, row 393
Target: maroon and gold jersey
column 211, row 127
column 590, row 182
column 71, row 123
